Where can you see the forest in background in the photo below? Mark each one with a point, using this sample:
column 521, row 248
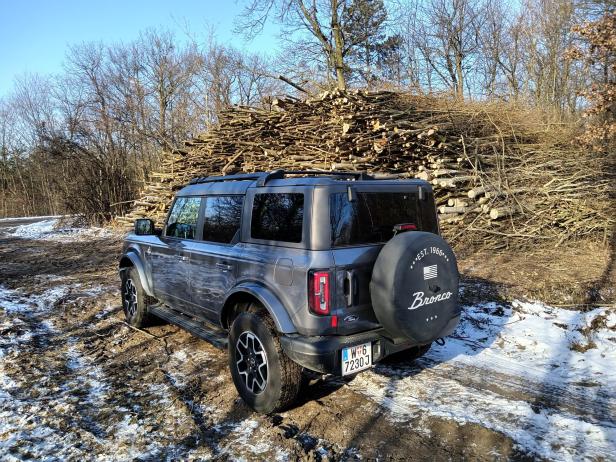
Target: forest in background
column 85, row 140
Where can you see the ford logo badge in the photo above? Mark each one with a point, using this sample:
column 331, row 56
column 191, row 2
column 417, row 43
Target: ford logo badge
column 351, row 318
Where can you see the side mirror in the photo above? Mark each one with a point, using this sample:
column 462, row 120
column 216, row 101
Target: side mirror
column 144, row 227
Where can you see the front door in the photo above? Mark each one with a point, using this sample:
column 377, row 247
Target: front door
column 170, row 259
column 213, row 263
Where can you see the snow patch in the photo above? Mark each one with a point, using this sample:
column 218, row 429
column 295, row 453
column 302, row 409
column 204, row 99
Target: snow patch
column 241, row 438
column 12, row 301
column 544, row 376
column 90, row 377
column 39, row 398
column 41, row 217
column 50, row 230
column 31, row 403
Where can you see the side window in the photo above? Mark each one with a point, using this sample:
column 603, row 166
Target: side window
column 182, row 220
column 278, row 217
column 222, row 218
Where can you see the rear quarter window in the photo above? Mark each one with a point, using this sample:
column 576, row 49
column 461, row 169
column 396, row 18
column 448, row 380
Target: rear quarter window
column 278, row 217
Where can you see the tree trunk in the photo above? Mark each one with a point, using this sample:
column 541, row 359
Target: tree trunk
column 460, row 77
column 337, row 58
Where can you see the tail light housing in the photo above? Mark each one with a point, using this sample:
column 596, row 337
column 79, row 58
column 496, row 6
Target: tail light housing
column 405, row 227
column 319, row 292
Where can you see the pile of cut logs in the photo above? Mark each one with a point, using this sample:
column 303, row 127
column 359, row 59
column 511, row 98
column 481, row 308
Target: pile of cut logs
column 498, row 176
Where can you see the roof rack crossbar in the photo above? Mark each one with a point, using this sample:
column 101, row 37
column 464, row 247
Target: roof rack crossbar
column 237, row 177
column 273, row 175
column 356, row 175
column 263, row 177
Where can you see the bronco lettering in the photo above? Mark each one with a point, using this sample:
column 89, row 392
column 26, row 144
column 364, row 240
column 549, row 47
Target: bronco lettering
column 421, row 301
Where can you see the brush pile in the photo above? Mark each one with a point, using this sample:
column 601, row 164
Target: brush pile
column 501, row 177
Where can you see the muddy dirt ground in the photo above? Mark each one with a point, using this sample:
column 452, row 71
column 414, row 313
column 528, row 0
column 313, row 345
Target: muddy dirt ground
column 77, row 383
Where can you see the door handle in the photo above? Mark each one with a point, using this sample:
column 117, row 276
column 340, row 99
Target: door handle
column 224, row 266
column 350, row 288
column 183, row 258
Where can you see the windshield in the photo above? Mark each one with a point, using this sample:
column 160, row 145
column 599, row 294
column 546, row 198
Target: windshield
column 370, row 219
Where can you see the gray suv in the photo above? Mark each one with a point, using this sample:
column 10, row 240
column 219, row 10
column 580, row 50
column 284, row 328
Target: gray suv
column 322, row 271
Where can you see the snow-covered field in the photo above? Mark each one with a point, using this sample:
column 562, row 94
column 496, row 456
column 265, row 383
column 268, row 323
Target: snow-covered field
column 541, row 375
column 53, row 229
column 544, row 376
column 42, row 217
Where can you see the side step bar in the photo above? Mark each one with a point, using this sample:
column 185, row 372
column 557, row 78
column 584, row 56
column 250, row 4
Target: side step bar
column 210, row 333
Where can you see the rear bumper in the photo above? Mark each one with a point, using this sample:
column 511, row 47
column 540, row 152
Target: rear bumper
column 322, row 354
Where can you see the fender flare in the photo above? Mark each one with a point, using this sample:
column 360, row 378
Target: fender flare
column 272, row 304
column 135, row 259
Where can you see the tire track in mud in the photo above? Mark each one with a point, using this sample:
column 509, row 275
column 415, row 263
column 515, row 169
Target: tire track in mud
column 57, row 402
column 143, row 404
column 71, row 389
column 37, row 384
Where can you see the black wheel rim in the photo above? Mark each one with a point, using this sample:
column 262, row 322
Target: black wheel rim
column 130, row 298
column 251, row 362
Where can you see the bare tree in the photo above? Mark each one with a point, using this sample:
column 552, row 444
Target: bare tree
column 449, row 40
column 320, row 19
column 547, row 37
column 85, row 140
column 596, row 48
column 406, row 26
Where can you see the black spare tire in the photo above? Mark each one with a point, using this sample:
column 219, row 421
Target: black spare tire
column 414, row 287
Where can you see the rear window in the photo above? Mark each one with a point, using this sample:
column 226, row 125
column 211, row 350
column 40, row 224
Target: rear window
column 222, row 218
column 370, row 219
column 278, row 217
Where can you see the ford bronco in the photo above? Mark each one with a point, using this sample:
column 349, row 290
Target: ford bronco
column 325, row 271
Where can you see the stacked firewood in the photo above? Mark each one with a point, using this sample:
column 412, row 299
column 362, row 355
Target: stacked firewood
column 499, row 176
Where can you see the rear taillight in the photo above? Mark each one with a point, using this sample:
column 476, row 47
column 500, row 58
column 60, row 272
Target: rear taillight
column 318, row 292
column 405, row 227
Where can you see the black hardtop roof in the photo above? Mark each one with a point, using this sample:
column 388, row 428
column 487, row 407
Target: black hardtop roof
column 238, row 184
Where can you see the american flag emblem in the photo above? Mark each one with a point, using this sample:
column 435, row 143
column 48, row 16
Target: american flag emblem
column 430, row 272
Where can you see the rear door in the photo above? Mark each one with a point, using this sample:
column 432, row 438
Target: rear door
column 170, row 259
column 214, row 259
column 361, row 223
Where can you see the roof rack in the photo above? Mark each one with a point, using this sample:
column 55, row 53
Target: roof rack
column 354, row 175
column 263, row 177
column 216, row 179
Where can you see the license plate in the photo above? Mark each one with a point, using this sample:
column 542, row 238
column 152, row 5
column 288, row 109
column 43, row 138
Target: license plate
column 356, row 358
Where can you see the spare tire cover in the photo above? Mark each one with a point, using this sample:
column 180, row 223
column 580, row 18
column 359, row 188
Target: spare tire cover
column 414, row 286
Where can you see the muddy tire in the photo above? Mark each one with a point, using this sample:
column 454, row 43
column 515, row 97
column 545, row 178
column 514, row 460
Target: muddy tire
column 134, row 299
column 266, row 379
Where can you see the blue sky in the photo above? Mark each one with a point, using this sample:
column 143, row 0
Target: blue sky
column 35, row 34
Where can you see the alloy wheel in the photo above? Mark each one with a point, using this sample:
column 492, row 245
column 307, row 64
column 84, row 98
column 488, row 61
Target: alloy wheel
column 251, row 362
column 130, row 298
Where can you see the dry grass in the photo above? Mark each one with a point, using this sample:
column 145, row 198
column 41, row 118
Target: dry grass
column 576, row 275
